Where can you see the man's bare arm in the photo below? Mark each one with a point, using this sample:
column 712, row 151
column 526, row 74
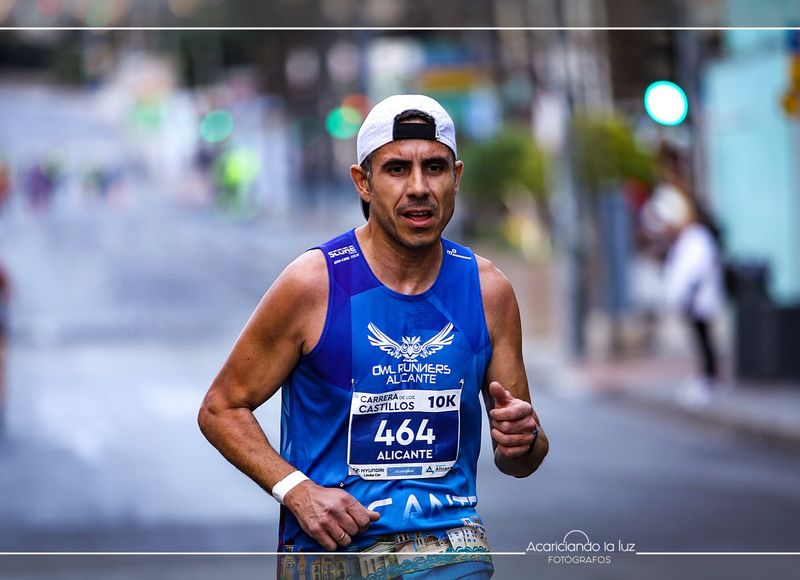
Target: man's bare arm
column 513, row 420
column 286, row 324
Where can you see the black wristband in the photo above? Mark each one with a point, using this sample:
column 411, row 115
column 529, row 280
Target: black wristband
column 535, row 437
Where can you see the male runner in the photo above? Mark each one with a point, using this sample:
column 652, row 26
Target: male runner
column 383, row 338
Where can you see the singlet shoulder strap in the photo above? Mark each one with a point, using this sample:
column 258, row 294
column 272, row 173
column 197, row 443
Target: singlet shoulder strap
column 457, row 251
column 347, row 269
column 339, row 249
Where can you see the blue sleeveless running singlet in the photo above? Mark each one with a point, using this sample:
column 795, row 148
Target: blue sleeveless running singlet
column 386, row 406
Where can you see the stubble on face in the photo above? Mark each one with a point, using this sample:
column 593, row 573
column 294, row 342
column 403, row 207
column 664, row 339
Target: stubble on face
column 395, row 209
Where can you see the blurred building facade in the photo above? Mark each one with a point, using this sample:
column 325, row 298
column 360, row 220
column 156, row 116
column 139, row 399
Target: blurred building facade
column 297, row 98
column 753, row 149
column 751, row 101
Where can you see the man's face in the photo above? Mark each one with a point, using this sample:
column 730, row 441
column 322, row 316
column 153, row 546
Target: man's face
column 412, row 191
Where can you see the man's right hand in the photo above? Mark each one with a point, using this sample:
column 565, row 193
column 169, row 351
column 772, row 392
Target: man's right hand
column 325, row 513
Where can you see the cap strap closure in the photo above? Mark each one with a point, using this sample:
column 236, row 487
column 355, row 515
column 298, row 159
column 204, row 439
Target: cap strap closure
column 413, row 131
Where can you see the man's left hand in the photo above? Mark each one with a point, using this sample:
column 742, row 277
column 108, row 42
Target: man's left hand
column 513, row 422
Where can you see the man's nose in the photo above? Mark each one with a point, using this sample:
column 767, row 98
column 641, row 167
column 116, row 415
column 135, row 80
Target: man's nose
column 418, row 182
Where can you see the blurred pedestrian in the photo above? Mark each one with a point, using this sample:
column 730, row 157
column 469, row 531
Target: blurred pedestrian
column 5, row 183
column 5, row 299
column 5, row 294
column 41, row 182
column 693, row 279
column 383, row 338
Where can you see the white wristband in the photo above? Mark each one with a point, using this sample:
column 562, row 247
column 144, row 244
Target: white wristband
column 287, row 484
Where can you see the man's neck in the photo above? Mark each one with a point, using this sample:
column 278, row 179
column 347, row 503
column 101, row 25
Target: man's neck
column 405, row 270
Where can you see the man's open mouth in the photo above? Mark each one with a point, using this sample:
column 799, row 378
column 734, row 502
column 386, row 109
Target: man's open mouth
column 418, row 217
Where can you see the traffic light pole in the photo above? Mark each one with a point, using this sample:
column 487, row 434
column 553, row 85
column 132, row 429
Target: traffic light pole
column 568, row 209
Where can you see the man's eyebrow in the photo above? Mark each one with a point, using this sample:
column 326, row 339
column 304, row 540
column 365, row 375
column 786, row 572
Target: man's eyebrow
column 440, row 159
column 395, row 161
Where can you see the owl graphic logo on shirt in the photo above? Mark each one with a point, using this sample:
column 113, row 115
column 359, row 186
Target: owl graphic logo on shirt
column 410, row 348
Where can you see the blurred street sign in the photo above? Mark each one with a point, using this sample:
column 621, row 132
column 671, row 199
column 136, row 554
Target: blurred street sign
column 791, row 104
column 793, row 41
column 453, row 79
column 791, row 96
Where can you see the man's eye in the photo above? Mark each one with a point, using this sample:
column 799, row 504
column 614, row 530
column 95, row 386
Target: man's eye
column 435, row 168
column 396, row 170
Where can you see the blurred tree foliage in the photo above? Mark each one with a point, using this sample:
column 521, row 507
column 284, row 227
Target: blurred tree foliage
column 505, row 181
column 606, row 153
column 508, row 164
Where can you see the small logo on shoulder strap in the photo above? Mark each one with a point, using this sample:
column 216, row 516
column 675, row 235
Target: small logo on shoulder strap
column 453, row 252
column 343, row 253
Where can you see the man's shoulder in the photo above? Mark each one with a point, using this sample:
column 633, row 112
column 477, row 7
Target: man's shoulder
column 307, row 271
column 499, row 301
column 494, row 284
column 297, row 299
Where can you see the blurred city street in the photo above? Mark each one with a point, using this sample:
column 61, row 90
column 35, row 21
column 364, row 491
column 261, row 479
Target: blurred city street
column 119, row 325
column 120, row 320
column 153, row 186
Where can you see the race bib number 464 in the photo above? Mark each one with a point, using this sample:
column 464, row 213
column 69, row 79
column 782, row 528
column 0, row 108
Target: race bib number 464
column 404, row 434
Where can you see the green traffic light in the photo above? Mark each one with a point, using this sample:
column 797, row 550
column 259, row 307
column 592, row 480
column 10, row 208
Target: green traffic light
column 666, row 103
column 343, row 122
column 216, row 126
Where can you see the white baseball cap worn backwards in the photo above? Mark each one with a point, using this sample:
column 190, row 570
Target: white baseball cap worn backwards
column 381, row 127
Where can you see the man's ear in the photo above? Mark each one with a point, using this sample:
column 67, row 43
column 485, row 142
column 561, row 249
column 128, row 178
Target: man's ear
column 459, row 169
column 359, row 177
